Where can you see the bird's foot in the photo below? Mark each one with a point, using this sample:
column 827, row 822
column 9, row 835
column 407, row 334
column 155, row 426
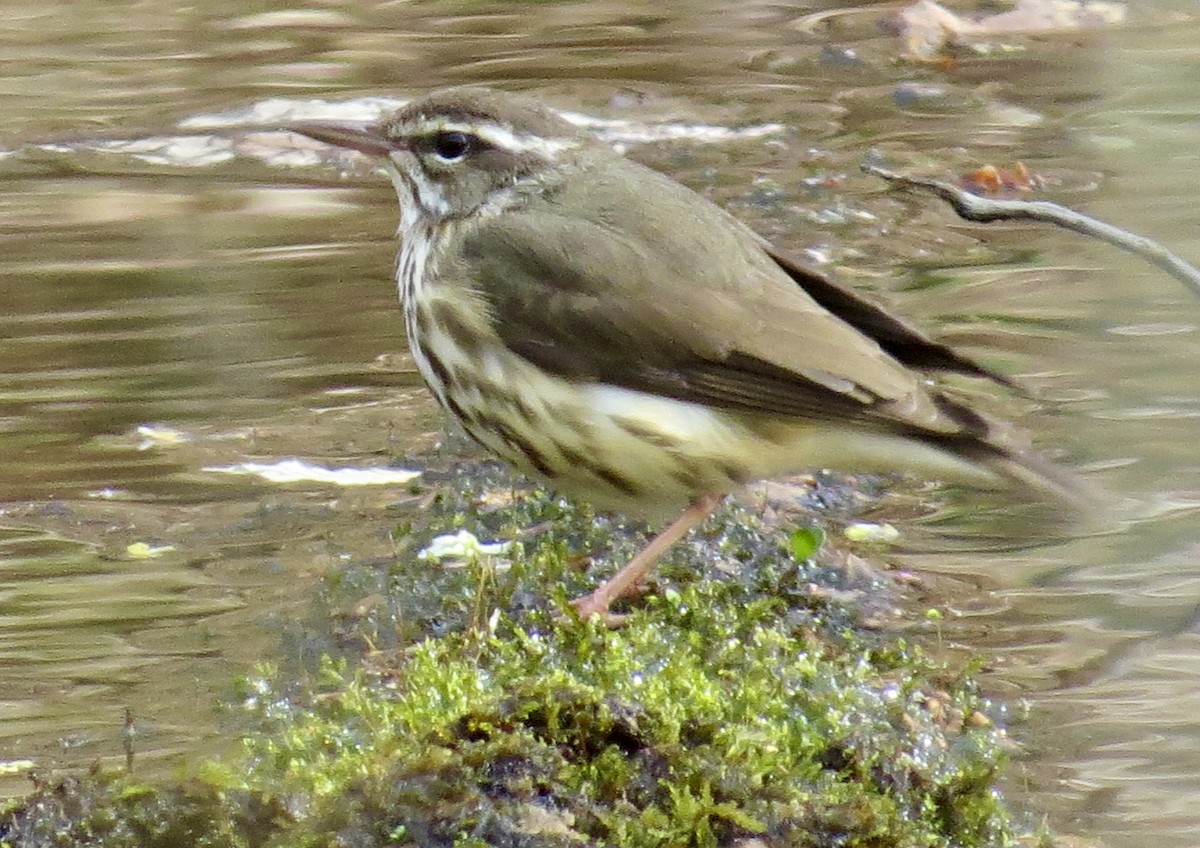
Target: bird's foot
column 596, row 605
column 626, row 581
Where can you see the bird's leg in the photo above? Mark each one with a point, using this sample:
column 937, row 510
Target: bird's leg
column 624, row 581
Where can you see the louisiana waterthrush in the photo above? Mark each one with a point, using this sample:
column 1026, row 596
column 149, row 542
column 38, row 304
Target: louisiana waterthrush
column 598, row 324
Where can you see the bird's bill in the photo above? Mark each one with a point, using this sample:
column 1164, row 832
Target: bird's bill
column 363, row 136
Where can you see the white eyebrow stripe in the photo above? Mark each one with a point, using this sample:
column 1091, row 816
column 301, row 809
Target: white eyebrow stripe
column 506, row 139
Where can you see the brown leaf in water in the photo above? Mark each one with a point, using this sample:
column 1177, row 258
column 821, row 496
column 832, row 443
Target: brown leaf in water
column 990, row 181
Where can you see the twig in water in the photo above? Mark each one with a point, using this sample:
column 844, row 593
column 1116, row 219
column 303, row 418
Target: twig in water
column 972, row 207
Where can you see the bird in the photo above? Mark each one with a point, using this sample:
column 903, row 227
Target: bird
column 599, row 325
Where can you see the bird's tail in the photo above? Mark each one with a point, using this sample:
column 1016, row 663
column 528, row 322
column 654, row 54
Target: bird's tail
column 1024, row 473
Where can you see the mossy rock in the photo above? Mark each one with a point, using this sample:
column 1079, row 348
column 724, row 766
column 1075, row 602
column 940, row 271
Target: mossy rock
column 733, row 709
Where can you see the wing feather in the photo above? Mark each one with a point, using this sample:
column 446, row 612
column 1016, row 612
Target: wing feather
column 608, row 293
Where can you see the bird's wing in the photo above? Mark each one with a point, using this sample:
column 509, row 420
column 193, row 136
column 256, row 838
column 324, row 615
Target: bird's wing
column 603, row 295
column 899, row 338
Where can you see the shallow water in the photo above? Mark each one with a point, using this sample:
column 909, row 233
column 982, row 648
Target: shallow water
column 228, row 284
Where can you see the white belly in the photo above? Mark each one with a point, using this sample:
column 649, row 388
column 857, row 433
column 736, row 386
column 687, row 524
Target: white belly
column 649, row 455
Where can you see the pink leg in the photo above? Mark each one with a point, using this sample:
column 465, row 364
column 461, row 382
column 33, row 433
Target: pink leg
column 624, row 581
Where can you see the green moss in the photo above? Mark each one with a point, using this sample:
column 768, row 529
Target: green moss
column 703, row 720
column 732, row 706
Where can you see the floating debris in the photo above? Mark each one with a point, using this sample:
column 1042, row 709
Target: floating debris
column 296, row 471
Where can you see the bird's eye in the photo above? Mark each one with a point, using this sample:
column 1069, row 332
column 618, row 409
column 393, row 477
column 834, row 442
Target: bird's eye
column 452, row 145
